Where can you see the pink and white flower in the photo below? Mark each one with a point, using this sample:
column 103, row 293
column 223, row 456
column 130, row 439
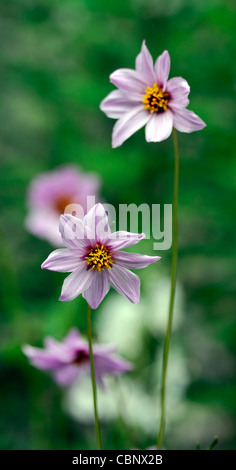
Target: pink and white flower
column 68, row 359
column 145, row 97
column 93, row 256
column 50, row 193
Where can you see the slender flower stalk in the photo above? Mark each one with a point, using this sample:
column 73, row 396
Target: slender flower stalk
column 172, row 291
column 145, row 96
column 97, row 427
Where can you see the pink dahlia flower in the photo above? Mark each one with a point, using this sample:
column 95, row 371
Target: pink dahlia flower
column 51, row 192
column 66, row 360
column 93, row 257
column 145, row 97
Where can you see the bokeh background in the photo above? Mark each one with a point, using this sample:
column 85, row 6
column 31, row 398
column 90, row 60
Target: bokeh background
column 56, row 57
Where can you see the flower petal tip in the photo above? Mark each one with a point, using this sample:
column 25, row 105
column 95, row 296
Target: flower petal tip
column 143, row 44
column 166, row 53
column 115, row 144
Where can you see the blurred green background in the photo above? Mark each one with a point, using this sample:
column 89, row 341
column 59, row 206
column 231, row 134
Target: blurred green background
column 56, row 57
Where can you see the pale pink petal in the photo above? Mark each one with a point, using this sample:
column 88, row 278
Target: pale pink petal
column 125, row 282
column 179, row 89
column 139, row 62
column 64, row 181
column 66, row 375
column 111, row 366
column 122, row 239
column 97, row 222
column 59, row 350
column 44, row 223
column 41, row 358
column 50, row 192
column 159, row 127
column 76, row 283
column 144, row 65
column 73, row 232
column 103, row 349
column 129, row 80
column 133, row 260
column 116, row 104
column 127, row 125
column 73, row 337
column 187, row 121
column 162, row 69
column 63, row 260
column 98, row 289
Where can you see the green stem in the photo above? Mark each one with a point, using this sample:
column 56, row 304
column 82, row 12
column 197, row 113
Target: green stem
column 97, row 427
column 172, row 290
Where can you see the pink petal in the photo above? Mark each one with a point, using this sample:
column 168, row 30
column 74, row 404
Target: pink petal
column 116, row 104
column 159, row 127
column 187, row 121
column 139, row 63
column 73, row 232
column 129, row 80
column 103, row 349
column 63, row 260
column 122, row 239
column 73, row 337
column 58, row 349
column 98, row 289
column 76, row 282
column 97, row 222
column 66, row 374
column 66, row 180
column 134, row 260
column 125, row 282
column 111, row 365
column 144, row 65
column 179, row 90
column 129, row 124
column 41, row 358
column 44, row 223
column 162, row 69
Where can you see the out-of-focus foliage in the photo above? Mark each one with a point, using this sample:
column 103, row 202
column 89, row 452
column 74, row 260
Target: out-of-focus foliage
column 56, row 58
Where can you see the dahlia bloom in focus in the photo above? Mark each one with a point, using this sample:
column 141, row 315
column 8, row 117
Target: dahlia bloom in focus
column 93, row 257
column 66, row 360
column 145, row 97
column 50, row 193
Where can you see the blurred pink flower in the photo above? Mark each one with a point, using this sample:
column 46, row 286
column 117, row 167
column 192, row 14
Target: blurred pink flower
column 145, row 97
column 93, row 256
column 50, row 193
column 66, row 360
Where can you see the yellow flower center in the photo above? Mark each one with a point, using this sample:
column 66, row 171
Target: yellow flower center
column 155, row 100
column 99, row 258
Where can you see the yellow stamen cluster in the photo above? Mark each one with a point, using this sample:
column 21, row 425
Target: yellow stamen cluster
column 99, row 258
column 155, row 100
